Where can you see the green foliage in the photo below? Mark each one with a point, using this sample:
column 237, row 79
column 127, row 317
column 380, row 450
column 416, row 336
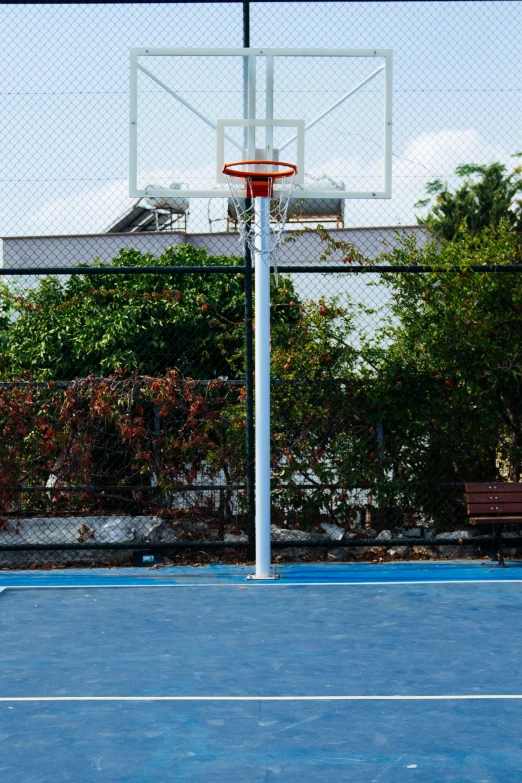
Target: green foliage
column 443, row 375
column 324, row 425
column 149, row 323
column 487, row 196
column 393, row 420
column 450, row 380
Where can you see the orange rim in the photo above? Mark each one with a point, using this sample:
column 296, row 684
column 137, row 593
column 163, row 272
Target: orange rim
column 229, row 169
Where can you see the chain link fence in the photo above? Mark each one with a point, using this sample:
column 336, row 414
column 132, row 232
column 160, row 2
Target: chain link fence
column 125, row 325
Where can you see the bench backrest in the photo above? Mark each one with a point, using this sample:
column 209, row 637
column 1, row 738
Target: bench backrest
column 494, row 498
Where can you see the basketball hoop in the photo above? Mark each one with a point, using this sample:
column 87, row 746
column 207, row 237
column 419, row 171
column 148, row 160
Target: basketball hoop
column 259, row 184
column 255, row 179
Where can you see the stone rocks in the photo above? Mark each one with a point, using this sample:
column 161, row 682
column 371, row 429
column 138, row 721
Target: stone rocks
column 412, row 532
column 385, row 535
column 235, row 538
column 337, row 554
column 455, row 551
column 192, row 527
column 71, row 530
column 284, row 534
column 165, row 531
column 333, row 531
column 181, row 529
column 79, row 530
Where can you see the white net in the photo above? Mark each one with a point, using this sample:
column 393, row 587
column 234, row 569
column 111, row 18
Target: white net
column 243, row 215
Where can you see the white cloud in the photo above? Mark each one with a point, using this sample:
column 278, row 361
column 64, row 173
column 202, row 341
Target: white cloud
column 438, row 153
column 426, row 157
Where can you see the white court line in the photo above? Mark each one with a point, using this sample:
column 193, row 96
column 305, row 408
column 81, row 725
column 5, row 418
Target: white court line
column 271, row 583
column 448, row 697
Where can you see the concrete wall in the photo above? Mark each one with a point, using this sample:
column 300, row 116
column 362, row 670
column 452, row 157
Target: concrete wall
column 66, row 251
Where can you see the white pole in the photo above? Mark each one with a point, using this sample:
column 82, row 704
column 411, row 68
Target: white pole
column 262, row 384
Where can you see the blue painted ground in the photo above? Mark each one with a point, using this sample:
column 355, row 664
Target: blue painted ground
column 220, row 636
column 262, row 743
column 442, row 571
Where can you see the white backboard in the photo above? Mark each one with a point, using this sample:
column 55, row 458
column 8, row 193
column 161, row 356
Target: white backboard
column 326, row 110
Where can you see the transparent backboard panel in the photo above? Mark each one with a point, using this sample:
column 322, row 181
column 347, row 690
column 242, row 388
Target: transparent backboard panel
column 174, row 144
column 343, row 99
column 347, row 145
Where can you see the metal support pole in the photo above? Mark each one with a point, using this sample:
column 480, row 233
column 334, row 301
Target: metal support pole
column 249, row 405
column 249, row 339
column 262, row 385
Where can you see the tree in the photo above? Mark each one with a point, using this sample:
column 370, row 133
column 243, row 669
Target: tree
column 324, row 425
column 487, row 196
column 68, row 328
column 450, row 366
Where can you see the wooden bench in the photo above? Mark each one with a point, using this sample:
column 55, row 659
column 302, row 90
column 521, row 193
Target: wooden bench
column 496, row 504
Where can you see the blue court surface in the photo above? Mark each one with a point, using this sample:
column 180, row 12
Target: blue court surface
column 369, row 673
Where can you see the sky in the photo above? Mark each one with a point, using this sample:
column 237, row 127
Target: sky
column 64, row 96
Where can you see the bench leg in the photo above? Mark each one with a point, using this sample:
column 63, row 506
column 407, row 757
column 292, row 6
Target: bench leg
column 501, row 563
column 494, row 545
